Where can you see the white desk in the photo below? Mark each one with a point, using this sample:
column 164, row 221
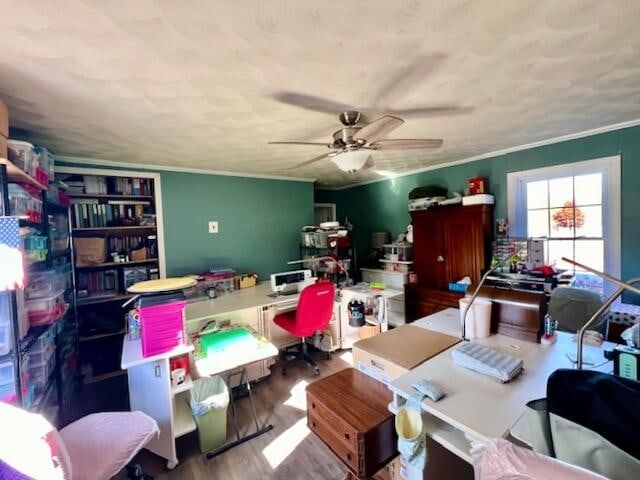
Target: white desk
column 477, row 407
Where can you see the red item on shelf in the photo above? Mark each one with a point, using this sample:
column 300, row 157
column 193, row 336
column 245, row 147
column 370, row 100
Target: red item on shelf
column 477, row 185
column 179, row 362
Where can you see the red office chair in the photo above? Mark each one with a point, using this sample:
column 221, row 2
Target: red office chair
column 313, row 313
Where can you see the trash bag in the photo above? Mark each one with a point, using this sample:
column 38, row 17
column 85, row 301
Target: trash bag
column 411, row 436
column 208, row 393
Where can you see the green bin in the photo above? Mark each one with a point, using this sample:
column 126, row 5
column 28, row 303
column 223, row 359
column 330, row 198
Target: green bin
column 209, row 402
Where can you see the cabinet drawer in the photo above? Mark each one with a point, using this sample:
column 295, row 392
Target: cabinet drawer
column 341, row 430
column 327, row 433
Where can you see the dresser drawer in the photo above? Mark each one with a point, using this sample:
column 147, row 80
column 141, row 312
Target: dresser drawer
column 341, row 430
column 326, row 432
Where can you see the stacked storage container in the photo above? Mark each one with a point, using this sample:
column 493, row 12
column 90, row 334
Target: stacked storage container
column 161, row 327
column 45, row 297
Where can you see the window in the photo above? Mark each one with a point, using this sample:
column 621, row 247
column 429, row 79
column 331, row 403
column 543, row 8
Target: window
column 576, row 207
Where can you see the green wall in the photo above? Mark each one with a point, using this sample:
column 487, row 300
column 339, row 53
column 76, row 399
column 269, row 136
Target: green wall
column 259, row 221
column 382, row 206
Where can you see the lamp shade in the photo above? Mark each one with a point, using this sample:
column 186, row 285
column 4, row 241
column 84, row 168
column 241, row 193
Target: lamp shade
column 351, row 160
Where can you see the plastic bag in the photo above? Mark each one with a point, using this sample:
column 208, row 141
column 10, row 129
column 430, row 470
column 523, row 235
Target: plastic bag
column 208, row 393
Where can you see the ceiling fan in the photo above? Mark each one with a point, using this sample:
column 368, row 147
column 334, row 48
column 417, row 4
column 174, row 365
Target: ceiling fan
column 352, row 145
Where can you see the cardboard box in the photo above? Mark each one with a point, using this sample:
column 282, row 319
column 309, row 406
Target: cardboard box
column 4, row 122
column 387, row 356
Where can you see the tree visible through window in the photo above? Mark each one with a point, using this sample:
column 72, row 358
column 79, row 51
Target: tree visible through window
column 568, row 212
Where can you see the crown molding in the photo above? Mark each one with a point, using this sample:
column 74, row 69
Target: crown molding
column 496, row 153
column 87, row 162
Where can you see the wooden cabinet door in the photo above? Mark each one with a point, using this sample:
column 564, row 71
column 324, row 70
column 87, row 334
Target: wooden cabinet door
column 463, row 243
column 428, row 249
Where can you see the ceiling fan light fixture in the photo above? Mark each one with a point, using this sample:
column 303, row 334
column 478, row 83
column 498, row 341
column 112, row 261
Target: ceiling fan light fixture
column 351, row 160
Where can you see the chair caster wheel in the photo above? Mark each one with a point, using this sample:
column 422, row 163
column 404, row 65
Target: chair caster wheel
column 171, row 465
column 316, row 372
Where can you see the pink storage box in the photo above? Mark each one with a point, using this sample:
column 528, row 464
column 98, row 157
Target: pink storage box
column 161, row 327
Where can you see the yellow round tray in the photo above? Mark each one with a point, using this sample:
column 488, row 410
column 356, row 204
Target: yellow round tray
column 162, row 285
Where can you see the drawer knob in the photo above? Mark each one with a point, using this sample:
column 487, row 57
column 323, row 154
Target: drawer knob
column 313, row 405
column 346, row 436
column 440, row 258
column 349, row 456
column 313, row 424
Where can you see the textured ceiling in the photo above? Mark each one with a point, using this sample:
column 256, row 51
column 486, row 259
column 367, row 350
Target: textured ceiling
column 192, row 83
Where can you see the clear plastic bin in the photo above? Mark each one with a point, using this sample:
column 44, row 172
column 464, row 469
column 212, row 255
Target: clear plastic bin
column 22, row 155
column 47, row 338
column 59, row 242
column 398, row 252
column 40, row 356
column 45, row 283
column 23, row 204
column 39, row 373
column 34, row 256
column 46, row 310
column 34, row 242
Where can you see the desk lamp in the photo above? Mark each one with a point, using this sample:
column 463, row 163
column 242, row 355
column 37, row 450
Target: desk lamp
column 506, row 261
column 622, row 286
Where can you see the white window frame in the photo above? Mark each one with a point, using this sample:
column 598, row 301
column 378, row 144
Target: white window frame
column 609, row 167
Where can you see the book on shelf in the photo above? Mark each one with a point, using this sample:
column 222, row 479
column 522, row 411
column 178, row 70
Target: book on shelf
column 92, row 214
column 97, row 284
column 99, row 185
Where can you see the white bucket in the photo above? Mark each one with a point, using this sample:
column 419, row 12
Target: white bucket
column 478, row 324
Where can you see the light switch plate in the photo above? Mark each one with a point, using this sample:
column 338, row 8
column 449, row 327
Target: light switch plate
column 213, row 226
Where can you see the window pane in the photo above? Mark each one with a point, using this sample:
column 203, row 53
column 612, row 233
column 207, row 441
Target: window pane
column 590, row 253
column 559, row 249
column 538, row 223
column 560, row 191
column 588, row 221
column 588, row 189
column 537, row 196
column 562, row 221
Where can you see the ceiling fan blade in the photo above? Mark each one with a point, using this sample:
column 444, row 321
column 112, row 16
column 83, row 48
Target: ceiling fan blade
column 311, row 102
column 308, row 162
column 314, row 144
column 407, row 144
column 378, row 128
column 431, row 111
column 405, row 80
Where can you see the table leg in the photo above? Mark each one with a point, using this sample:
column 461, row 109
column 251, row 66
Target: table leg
column 239, row 440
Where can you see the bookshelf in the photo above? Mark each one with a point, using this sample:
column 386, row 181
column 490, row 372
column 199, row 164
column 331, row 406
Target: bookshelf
column 114, row 214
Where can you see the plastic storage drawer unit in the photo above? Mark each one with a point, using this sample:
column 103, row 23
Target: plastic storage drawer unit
column 7, row 382
column 161, row 327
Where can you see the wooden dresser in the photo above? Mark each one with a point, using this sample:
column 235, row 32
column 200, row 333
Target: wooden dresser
column 349, row 412
column 449, row 243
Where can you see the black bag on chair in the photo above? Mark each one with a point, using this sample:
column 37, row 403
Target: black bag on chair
column 589, row 419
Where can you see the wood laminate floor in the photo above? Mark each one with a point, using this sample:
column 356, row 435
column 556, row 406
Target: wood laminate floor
column 290, row 451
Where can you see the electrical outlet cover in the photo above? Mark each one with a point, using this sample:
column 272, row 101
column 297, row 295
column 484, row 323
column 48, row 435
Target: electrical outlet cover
column 213, row 226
